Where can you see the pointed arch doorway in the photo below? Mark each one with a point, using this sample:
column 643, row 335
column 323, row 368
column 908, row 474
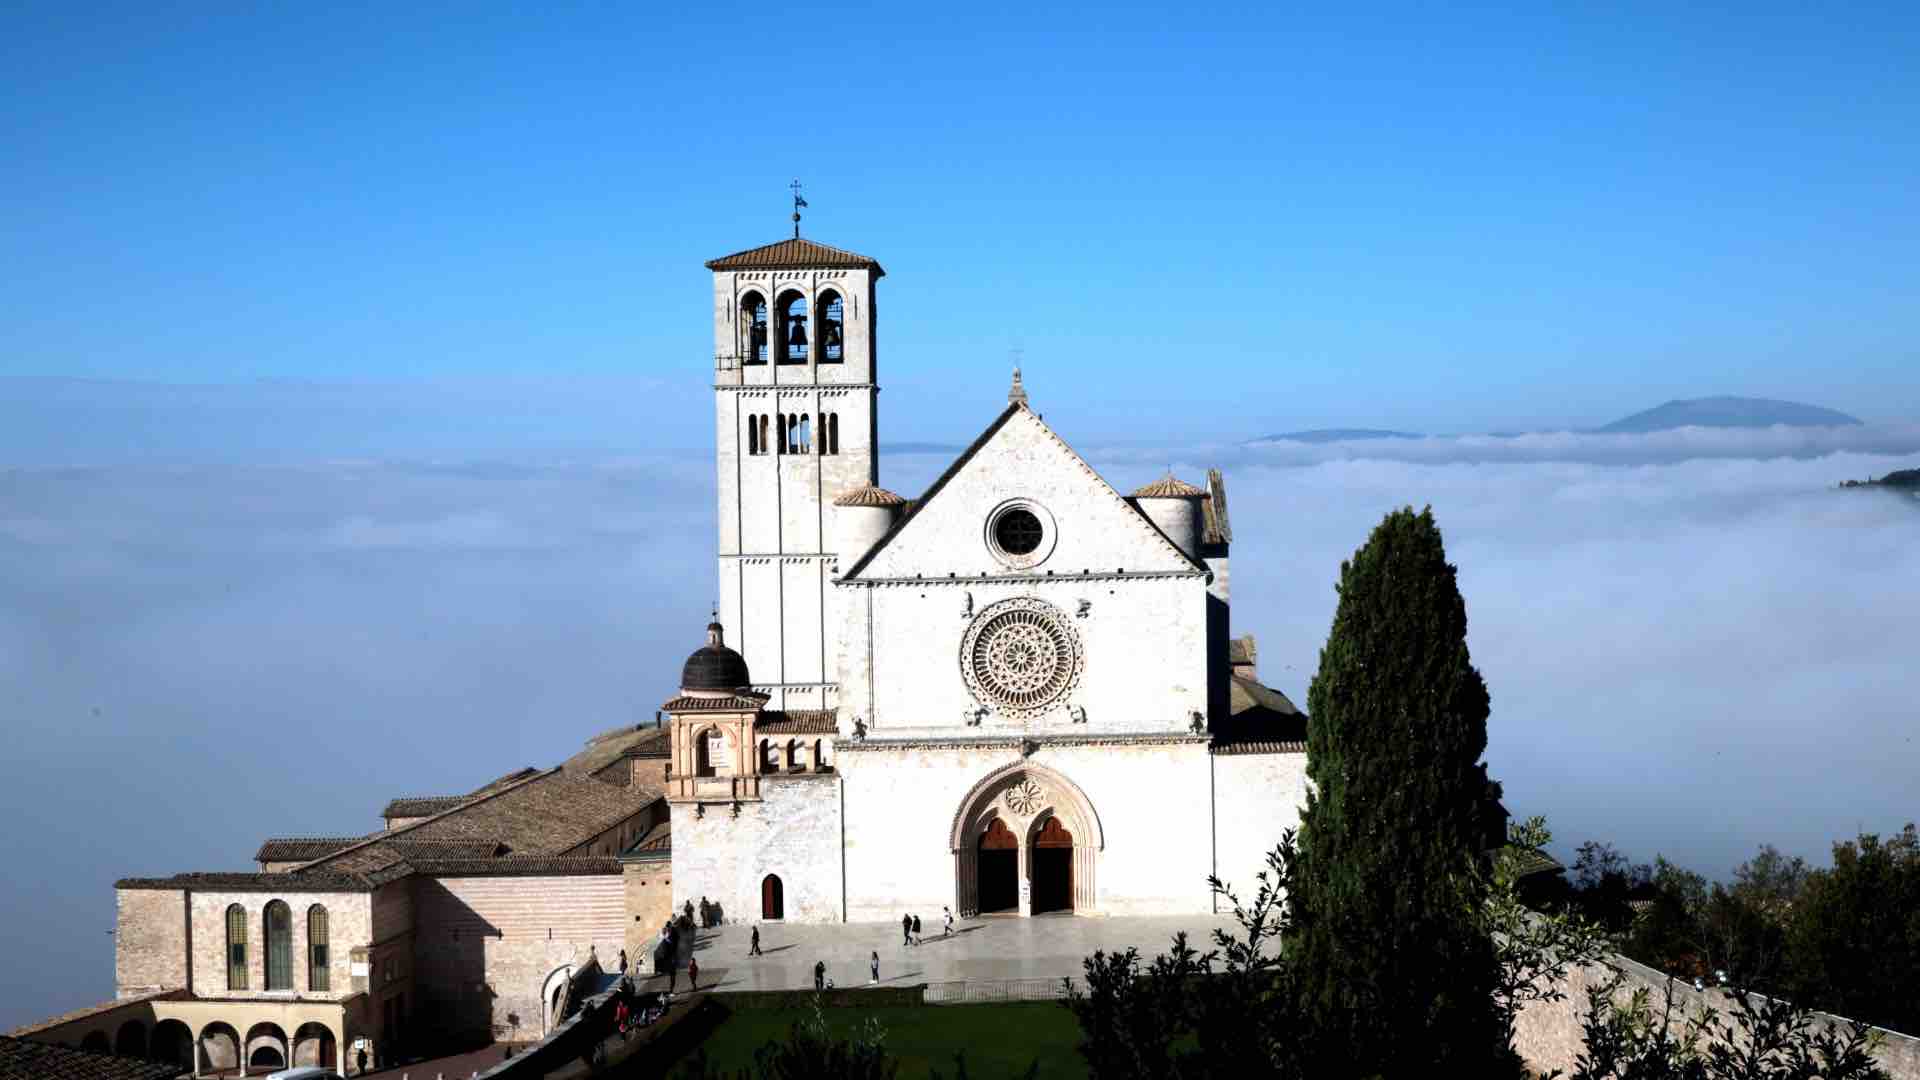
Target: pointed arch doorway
column 1052, row 866
column 1035, row 822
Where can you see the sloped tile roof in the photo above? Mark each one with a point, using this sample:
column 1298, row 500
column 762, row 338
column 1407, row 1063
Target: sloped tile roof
column 608, row 747
column 302, row 848
column 795, row 254
column 657, row 841
column 94, row 1010
column 799, row 722
column 22, row 1059
column 422, row 805
column 310, row 881
column 537, row 866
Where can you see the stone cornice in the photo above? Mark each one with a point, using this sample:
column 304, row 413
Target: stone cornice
column 873, row 744
column 1033, row 579
column 776, row 388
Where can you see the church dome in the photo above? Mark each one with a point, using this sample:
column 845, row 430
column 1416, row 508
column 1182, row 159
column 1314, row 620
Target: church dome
column 714, row 668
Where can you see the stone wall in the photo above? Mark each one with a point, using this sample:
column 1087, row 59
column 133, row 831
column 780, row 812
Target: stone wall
column 648, row 884
column 1548, row 1035
column 793, row 833
column 1256, row 798
column 150, row 941
column 1152, row 803
column 349, row 925
column 484, row 946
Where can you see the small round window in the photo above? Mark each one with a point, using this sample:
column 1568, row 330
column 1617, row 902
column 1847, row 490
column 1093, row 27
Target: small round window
column 1018, row 532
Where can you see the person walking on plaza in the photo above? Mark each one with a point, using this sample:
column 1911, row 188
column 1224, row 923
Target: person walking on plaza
column 623, row 961
column 916, row 929
column 755, row 950
column 876, row 968
column 949, row 912
column 360, row 1058
column 906, row 930
column 693, row 974
column 819, row 975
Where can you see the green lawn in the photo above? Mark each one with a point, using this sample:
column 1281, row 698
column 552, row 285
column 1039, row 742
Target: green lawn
column 999, row 1040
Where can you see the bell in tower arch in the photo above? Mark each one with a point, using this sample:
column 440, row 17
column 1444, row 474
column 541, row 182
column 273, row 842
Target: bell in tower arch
column 794, row 313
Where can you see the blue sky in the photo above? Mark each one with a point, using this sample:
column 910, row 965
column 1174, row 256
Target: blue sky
column 1230, row 221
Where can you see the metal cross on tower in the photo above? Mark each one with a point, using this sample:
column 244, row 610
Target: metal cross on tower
column 798, row 205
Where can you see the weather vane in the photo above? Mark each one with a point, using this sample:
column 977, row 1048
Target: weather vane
column 799, row 204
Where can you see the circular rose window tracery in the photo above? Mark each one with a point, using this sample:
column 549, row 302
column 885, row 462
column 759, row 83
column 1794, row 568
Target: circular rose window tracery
column 1021, row 656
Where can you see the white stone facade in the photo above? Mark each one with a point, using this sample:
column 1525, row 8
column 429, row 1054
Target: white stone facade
column 1027, row 669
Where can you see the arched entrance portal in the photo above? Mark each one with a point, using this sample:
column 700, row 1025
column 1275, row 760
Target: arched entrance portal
column 1025, row 839
column 1052, row 868
column 997, row 870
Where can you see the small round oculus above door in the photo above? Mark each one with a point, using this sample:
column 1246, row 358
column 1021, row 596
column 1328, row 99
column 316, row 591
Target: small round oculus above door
column 1021, row 656
column 1020, row 534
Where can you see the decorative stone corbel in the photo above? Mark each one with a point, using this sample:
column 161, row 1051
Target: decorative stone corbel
column 1028, row 748
column 1078, row 713
column 1081, row 611
column 972, row 714
column 1197, row 723
column 966, row 609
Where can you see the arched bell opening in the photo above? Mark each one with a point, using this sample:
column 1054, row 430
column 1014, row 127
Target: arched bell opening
column 793, row 328
column 753, row 328
column 832, row 327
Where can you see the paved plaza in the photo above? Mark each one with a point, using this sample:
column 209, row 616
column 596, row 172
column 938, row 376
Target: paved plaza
column 980, row 950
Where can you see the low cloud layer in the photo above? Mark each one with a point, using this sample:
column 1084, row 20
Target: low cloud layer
column 1690, row 650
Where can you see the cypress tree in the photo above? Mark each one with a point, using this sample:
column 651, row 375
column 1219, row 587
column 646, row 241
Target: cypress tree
column 1383, row 943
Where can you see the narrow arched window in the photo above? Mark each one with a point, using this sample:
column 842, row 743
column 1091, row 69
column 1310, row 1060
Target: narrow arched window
column 780, row 420
column 796, row 758
column 803, row 440
column 279, row 920
column 833, row 431
column 753, row 326
column 819, row 754
column 793, row 328
column 832, row 327
column 236, row 947
column 763, row 433
column 318, row 975
column 753, row 435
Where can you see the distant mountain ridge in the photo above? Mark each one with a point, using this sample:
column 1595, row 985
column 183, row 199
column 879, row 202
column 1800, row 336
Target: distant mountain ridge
column 1327, row 435
column 1728, row 412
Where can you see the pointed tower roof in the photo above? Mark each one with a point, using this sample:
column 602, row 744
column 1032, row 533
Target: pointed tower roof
column 796, row 254
column 1169, row 487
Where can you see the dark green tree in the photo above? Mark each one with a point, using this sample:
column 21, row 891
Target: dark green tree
column 1386, row 943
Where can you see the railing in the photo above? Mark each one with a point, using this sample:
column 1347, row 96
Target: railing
column 971, row 991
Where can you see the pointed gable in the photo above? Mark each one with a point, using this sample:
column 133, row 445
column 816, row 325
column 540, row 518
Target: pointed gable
column 1088, row 525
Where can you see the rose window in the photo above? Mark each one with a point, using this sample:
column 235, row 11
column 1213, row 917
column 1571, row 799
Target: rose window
column 1023, row 797
column 1021, row 656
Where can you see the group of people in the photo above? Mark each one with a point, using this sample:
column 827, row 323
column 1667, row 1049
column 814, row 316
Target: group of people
column 710, row 915
column 910, row 930
column 633, row 1010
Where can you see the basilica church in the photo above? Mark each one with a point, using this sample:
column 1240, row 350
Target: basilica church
column 1016, row 693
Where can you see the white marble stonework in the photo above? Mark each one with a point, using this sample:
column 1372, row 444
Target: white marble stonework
column 1030, row 717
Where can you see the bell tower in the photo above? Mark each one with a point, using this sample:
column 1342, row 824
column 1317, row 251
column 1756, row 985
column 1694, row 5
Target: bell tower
column 795, row 395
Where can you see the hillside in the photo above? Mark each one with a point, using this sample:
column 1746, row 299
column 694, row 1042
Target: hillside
column 1728, row 412
column 1328, row 435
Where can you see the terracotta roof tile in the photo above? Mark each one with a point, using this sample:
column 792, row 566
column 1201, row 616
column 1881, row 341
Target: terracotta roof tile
column 745, row 702
column 244, row 882
column 302, row 848
column 93, row 1010
column 422, row 805
column 800, row 722
column 519, row 867
column 24, row 1059
column 795, row 254
column 657, row 841
column 868, row 495
column 1169, row 487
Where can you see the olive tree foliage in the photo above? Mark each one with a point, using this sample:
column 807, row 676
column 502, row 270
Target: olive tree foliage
column 1227, row 1012
column 1533, row 950
column 1759, row 1038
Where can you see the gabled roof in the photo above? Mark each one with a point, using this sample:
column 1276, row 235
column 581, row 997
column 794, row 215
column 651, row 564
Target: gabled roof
column 422, row 805
column 799, row 722
column 795, row 254
column 1013, row 410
